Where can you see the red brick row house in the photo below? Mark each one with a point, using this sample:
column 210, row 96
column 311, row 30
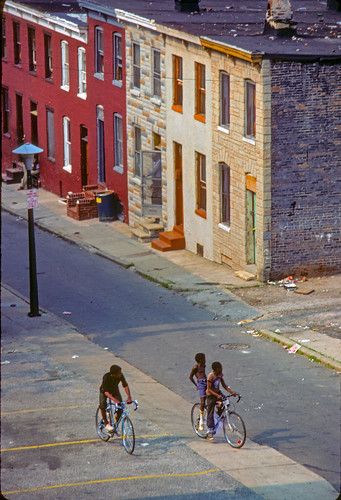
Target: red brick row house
column 63, row 88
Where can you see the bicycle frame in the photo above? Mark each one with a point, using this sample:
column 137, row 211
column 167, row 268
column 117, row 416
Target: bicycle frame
column 112, row 408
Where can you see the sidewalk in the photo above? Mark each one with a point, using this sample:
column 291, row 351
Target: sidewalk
column 211, row 285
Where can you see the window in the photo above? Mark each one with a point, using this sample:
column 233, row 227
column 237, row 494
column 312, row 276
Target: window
column 50, row 134
column 65, row 65
column 32, row 49
column 117, row 52
column 67, row 142
column 48, row 56
column 137, row 156
column 224, row 119
column 156, row 142
column 16, row 43
column 5, row 110
column 99, row 52
column 34, row 122
column 19, row 119
column 200, row 163
column 250, row 109
column 3, row 39
column 81, row 71
column 225, row 211
column 136, row 66
column 101, row 173
column 118, row 140
column 200, row 92
column 156, row 61
column 177, row 83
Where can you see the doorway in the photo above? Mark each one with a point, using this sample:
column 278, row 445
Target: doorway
column 179, row 215
column 84, row 155
column 251, row 207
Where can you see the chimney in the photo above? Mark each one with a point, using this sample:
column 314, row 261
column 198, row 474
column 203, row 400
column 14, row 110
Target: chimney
column 334, row 5
column 279, row 18
column 187, row 5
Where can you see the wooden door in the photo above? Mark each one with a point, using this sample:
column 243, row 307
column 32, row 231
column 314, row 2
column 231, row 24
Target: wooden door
column 179, row 217
column 84, row 155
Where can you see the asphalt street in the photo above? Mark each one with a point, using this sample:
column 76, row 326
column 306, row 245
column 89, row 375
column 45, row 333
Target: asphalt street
column 288, row 402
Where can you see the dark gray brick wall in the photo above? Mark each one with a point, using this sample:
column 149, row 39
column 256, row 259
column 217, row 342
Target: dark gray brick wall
column 306, row 169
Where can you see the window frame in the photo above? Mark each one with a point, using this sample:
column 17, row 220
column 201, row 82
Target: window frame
column 50, row 135
column 3, row 38
column 224, row 109
column 17, row 48
column 5, row 111
column 250, row 110
column 201, row 184
column 99, row 52
column 136, row 68
column 118, row 142
column 156, row 72
column 225, row 195
column 177, row 64
column 137, row 152
column 48, row 56
column 81, row 61
column 67, row 165
column 32, row 49
column 200, row 92
column 65, row 65
column 117, row 58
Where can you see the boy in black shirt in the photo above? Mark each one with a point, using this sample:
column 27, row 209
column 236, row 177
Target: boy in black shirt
column 109, row 389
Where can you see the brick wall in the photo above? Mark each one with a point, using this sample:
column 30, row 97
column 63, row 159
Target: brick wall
column 306, row 169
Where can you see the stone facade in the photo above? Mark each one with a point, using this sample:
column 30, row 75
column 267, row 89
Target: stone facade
column 146, row 112
column 194, row 136
column 305, row 225
column 244, row 157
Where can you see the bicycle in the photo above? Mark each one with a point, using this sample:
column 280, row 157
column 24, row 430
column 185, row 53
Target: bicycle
column 124, row 423
column 233, row 424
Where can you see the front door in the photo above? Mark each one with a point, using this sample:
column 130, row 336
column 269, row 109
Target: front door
column 84, row 155
column 179, row 215
column 250, row 227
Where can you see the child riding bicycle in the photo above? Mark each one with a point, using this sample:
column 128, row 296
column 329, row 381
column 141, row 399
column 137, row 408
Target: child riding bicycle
column 109, row 389
column 198, row 371
column 214, row 379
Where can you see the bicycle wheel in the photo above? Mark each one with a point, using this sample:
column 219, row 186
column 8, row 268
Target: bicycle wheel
column 128, row 435
column 100, row 427
column 234, row 429
column 195, row 418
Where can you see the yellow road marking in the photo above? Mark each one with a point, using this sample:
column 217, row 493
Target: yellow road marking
column 50, row 408
column 112, row 480
column 80, row 441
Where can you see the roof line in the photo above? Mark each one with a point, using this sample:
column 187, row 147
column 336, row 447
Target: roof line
column 246, row 55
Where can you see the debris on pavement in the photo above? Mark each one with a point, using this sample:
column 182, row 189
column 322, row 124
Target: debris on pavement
column 105, row 348
column 5, row 362
column 67, row 313
column 294, row 348
column 243, row 321
column 304, row 341
column 304, row 291
column 75, row 356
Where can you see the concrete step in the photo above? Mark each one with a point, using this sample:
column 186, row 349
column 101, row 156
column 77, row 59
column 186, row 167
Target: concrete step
column 141, row 235
column 174, row 239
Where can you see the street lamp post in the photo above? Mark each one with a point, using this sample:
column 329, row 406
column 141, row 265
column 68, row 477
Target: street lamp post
column 27, row 152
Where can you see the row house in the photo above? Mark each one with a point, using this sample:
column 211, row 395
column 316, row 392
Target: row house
column 63, row 88
column 231, row 127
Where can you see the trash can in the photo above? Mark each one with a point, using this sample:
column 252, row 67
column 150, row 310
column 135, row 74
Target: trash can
column 106, row 206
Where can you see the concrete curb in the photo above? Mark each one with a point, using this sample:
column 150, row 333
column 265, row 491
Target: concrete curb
column 303, row 351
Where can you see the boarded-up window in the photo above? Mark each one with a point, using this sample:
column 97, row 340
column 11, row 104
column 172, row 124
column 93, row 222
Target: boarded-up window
column 225, row 213
column 200, row 91
column 224, row 100
column 177, row 82
column 200, row 163
column 250, row 109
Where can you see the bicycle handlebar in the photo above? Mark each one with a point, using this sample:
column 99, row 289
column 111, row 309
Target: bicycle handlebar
column 226, row 396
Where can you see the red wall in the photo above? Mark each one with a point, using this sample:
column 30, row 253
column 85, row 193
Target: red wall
column 80, row 112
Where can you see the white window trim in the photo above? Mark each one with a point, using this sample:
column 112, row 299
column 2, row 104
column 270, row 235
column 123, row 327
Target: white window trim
column 65, row 65
column 66, row 144
column 81, row 52
column 226, row 130
column 98, row 74
column 118, row 167
column 249, row 140
column 224, row 227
